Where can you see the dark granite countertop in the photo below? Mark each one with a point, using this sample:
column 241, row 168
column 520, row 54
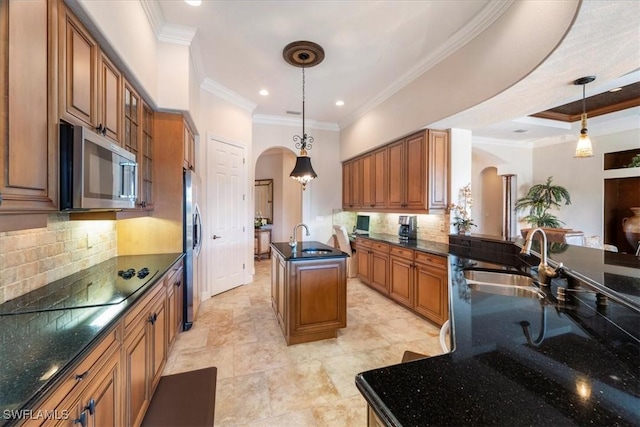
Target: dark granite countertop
column 436, row 248
column 518, row 361
column 44, row 332
column 299, row 254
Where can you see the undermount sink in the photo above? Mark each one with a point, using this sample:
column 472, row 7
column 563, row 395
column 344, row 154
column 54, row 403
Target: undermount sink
column 315, row 251
column 503, row 283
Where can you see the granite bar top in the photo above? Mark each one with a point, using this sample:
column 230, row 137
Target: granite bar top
column 301, row 251
column 37, row 348
column 517, row 361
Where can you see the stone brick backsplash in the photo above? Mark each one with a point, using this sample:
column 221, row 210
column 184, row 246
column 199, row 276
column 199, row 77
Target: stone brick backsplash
column 29, row 259
column 434, row 227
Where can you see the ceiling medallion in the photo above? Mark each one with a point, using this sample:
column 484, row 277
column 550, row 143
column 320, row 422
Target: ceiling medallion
column 303, row 54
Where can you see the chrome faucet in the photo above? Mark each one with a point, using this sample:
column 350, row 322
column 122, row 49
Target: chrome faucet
column 545, row 272
column 292, row 240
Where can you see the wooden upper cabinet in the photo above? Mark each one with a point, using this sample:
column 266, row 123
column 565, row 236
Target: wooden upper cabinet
column 438, row 169
column 145, row 162
column 132, row 119
column 396, row 158
column 380, row 185
column 78, row 71
column 109, row 99
column 352, row 184
column 368, row 185
column 356, row 183
column 189, row 147
column 411, row 174
column 28, row 109
column 346, row 185
column 415, row 171
column 90, row 84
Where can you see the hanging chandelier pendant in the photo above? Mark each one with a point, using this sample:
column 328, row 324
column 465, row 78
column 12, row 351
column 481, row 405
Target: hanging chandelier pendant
column 303, row 54
column 584, row 148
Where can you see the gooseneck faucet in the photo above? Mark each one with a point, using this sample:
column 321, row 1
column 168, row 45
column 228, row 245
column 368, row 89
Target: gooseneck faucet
column 292, row 241
column 545, row 272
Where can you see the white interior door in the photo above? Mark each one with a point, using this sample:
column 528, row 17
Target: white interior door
column 226, row 218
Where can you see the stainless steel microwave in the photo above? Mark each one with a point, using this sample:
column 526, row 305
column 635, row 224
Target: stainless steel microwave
column 95, row 173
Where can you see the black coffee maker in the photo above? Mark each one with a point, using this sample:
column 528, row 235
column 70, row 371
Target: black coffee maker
column 408, row 229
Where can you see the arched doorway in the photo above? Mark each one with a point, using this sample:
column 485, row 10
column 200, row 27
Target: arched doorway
column 490, row 221
column 276, row 163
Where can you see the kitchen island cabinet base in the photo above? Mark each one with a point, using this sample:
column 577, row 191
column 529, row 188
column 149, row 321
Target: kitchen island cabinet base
column 309, row 296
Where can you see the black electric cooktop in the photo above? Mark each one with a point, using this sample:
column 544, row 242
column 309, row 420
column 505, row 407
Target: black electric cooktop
column 107, row 283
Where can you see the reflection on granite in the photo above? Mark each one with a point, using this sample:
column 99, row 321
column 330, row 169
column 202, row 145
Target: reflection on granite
column 95, row 286
column 37, row 348
column 518, row 361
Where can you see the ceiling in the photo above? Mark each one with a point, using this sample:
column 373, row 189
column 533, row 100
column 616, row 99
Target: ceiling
column 377, row 47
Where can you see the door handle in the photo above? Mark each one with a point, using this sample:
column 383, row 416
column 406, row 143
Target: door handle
column 216, row 237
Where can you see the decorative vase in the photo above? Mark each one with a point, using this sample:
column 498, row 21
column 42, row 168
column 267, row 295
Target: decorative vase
column 631, row 227
column 464, row 231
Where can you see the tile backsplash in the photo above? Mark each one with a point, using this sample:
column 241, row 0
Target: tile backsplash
column 29, row 259
column 433, row 227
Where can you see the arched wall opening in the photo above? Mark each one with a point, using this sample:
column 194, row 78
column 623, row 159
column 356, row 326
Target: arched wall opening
column 276, row 163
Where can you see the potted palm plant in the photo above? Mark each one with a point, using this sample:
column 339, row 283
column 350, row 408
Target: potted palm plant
column 539, row 199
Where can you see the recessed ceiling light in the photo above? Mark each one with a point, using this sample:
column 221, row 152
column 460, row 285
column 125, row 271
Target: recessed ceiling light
column 616, row 89
column 193, row 2
column 264, row 92
column 339, row 103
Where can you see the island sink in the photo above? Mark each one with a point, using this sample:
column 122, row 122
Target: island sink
column 316, row 251
column 308, row 290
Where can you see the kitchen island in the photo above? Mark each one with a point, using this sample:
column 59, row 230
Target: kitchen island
column 308, row 290
column 521, row 360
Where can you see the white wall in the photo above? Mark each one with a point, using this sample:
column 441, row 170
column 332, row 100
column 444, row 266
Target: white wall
column 583, row 178
column 124, row 26
column 323, row 193
column 460, row 168
column 497, row 58
column 508, row 157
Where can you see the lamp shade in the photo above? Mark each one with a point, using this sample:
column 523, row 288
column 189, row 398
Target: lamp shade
column 303, row 171
column 584, row 148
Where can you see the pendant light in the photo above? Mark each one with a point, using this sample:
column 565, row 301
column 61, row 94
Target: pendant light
column 584, row 148
column 303, row 54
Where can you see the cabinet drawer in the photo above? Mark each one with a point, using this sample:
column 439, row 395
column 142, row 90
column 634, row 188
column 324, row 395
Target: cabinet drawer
column 380, row 247
column 427, row 258
column 364, row 243
column 79, row 376
column 402, row 252
column 140, row 308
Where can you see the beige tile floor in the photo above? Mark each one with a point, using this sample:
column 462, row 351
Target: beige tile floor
column 264, row 382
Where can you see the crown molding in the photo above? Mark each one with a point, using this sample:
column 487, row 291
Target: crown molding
column 294, row 122
column 196, row 59
column 228, row 95
column 487, row 16
column 177, row 34
column 154, row 15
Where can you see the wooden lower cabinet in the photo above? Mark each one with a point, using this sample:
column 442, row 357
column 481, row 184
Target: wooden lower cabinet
column 101, row 404
column 401, row 280
column 373, row 264
column 145, row 351
column 415, row 279
column 430, row 288
column 113, row 384
column 278, row 289
column 175, row 300
column 309, row 297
